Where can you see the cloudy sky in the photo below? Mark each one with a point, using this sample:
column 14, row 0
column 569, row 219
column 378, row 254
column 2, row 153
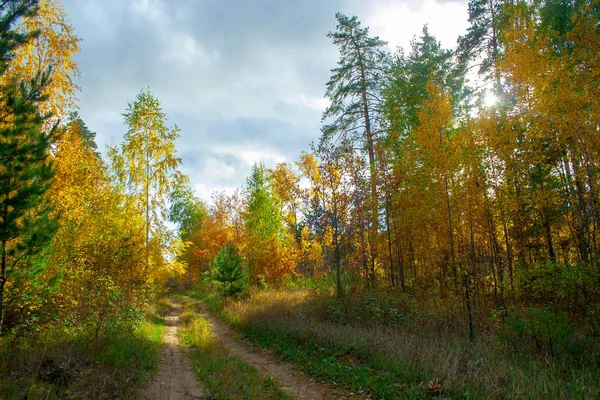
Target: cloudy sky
column 243, row 79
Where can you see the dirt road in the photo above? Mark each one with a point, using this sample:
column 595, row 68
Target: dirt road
column 174, row 379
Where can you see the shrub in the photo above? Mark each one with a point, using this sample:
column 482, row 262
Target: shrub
column 542, row 331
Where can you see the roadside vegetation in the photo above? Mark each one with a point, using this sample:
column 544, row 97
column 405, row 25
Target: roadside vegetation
column 76, row 363
column 440, row 239
column 84, row 251
column 379, row 347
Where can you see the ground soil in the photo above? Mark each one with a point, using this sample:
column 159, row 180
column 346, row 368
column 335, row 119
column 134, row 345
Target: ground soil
column 174, row 379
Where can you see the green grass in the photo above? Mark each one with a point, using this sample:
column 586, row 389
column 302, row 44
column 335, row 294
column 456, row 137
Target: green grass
column 224, row 376
column 343, row 365
column 133, row 356
column 62, row 365
column 360, row 372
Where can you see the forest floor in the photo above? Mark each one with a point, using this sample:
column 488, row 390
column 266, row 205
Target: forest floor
column 176, row 381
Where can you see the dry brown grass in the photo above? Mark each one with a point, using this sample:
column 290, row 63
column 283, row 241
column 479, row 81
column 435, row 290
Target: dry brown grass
column 487, row 367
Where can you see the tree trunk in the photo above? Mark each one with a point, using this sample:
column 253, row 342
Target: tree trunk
column 336, row 251
column 582, row 225
column 400, row 258
column 548, row 232
column 389, row 240
column 451, row 236
column 469, row 310
column 3, row 279
column 372, row 174
column 147, row 208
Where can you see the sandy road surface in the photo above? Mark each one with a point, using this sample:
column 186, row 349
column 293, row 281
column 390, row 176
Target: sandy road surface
column 174, row 379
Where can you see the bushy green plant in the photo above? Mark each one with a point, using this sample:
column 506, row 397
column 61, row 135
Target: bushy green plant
column 229, row 270
column 541, row 330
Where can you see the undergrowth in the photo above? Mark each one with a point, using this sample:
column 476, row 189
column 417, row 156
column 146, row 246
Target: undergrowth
column 62, row 363
column 382, row 351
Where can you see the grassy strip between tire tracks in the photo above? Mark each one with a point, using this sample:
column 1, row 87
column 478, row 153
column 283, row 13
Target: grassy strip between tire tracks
column 224, row 375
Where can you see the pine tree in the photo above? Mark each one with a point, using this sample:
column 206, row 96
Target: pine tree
column 12, row 11
column 25, row 171
column 354, row 92
column 228, row 268
column 482, row 40
column 79, row 126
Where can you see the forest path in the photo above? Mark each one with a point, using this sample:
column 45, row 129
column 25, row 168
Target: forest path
column 174, row 379
column 289, row 379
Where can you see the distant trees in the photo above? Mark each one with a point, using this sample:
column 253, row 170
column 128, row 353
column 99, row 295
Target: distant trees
column 186, row 210
column 267, row 245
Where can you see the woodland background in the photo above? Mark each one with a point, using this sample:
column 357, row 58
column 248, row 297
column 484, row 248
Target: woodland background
column 452, row 193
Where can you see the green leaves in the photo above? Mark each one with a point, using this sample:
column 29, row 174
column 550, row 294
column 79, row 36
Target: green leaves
column 26, row 171
column 186, row 210
column 354, row 86
column 229, row 269
column 263, row 219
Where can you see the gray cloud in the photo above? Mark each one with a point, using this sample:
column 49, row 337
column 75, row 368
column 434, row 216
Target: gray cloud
column 242, row 79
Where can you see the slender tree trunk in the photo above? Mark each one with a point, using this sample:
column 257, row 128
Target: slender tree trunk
column 365, row 258
column 472, row 263
column 337, row 255
column 591, row 175
column 338, row 268
column 548, row 232
column 582, row 225
column 413, row 263
column 495, row 279
column 451, row 236
column 400, row 258
column 389, row 240
column 469, row 310
column 147, row 208
column 3, row 279
column 372, row 174
column 495, row 251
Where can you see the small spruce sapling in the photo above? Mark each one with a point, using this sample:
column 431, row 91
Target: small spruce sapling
column 229, row 269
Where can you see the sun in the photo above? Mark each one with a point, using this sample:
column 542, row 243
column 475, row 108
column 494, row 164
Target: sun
column 490, row 99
